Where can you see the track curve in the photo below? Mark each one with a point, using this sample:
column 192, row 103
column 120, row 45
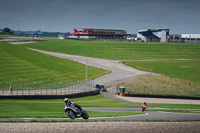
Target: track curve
column 118, row 70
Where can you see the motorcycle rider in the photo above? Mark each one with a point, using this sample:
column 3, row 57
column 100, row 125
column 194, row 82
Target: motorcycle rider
column 144, row 105
column 70, row 102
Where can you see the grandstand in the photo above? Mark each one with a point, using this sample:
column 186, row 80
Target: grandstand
column 153, row 35
column 87, row 33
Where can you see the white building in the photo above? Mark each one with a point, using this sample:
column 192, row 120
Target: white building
column 192, row 36
column 153, row 35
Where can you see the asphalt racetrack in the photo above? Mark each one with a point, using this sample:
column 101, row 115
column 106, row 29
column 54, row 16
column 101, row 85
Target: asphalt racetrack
column 151, row 114
column 118, row 70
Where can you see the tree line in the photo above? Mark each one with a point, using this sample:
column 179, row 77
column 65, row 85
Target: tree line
column 7, row 31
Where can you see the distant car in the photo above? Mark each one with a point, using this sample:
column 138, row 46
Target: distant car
column 101, row 87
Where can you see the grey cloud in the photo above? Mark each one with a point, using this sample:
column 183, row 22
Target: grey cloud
column 64, row 15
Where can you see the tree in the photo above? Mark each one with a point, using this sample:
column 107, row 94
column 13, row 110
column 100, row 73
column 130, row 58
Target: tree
column 7, row 31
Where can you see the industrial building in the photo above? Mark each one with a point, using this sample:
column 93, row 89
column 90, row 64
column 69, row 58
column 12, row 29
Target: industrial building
column 190, row 36
column 88, row 33
column 153, row 35
column 184, row 38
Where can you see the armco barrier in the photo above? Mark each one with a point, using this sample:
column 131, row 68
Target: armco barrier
column 83, row 94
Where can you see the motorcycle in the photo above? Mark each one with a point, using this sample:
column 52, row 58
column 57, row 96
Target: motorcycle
column 73, row 112
column 144, row 108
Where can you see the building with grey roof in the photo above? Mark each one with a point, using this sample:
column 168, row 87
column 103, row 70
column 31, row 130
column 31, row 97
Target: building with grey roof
column 153, row 35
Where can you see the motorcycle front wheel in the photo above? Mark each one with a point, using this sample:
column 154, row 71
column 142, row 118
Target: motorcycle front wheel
column 71, row 114
column 143, row 109
column 84, row 115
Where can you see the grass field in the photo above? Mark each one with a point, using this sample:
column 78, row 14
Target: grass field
column 55, row 108
column 161, row 85
column 21, row 65
column 175, row 60
column 180, row 62
column 129, row 52
column 117, row 50
column 184, row 69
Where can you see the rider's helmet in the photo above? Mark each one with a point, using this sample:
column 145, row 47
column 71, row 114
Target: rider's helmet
column 66, row 100
column 144, row 102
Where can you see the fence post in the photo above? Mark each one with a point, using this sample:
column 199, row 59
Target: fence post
column 61, row 88
column 69, row 87
column 52, row 91
column 73, row 88
column 35, row 87
column 65, row 89
column 10, row 89
column 92, row 84
column 85, row 86
column 78, row 86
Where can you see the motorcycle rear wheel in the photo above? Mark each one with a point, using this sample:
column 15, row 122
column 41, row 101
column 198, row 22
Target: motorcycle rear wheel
column 143, row 109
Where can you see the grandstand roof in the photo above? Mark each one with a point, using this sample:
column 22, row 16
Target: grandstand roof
column 152, row 30
column 98, row 29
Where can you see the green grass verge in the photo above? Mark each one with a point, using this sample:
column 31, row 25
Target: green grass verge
column 183, row 111
column 174, row 106
column 21, row 65
column 112, row 114
column 55, row 108
column 177, row 108
column 184, row 69
column 117, row 50
column 161, row 85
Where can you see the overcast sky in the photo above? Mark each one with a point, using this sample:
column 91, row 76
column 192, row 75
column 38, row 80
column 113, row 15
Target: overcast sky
column 180, row 16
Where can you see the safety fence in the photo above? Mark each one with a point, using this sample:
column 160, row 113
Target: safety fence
column 166, row 87
column 60, row 88
column 113, row 84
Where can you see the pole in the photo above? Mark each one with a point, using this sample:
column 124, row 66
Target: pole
column 10, row 89
column 86, row 71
